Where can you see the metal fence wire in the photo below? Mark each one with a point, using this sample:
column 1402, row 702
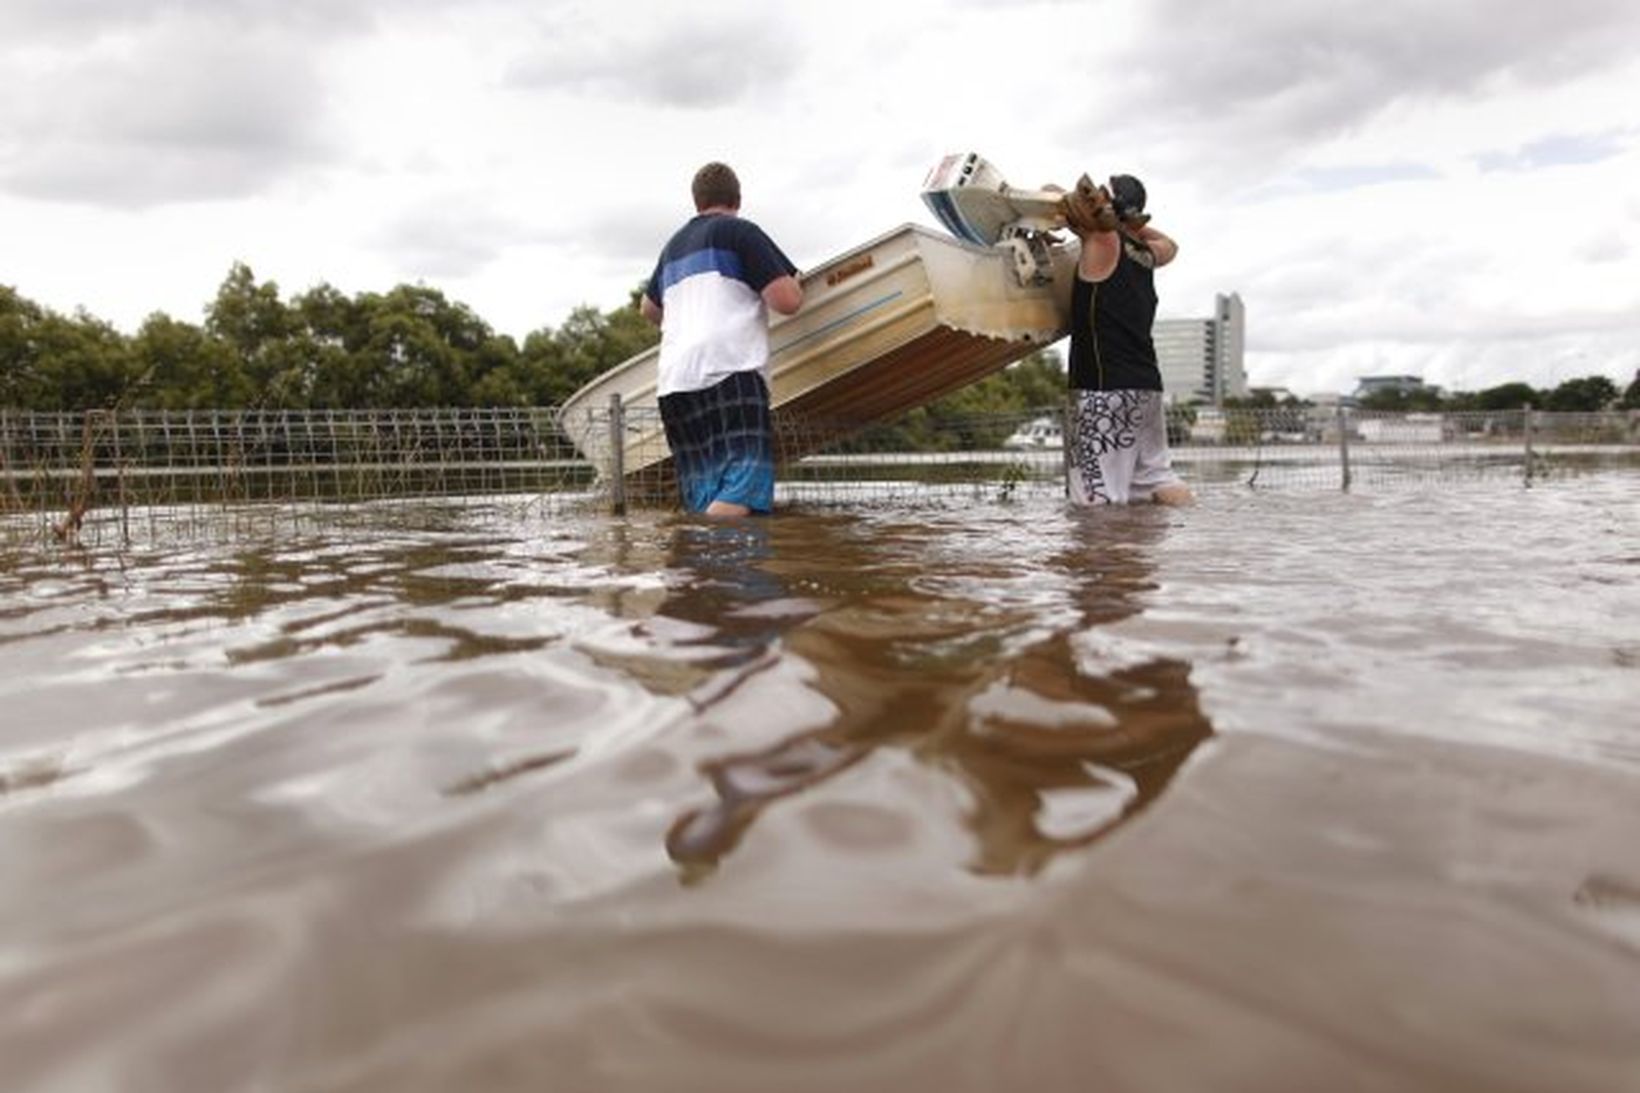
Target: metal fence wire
column 59, row 470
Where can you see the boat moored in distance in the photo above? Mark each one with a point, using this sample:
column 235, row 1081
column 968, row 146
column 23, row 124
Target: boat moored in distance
column 890, row 325
column 1038, row 433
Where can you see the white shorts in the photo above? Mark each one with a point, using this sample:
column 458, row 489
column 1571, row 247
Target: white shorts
column 1118, row 447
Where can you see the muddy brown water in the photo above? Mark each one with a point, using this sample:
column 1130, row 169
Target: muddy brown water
column 1302, row 791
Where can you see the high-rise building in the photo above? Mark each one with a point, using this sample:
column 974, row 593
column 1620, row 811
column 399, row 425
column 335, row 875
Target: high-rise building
column 1204, row 360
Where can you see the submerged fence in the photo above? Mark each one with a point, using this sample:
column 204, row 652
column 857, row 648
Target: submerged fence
column 59, row 468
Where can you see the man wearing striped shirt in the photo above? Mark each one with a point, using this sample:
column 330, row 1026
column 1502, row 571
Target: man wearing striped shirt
column 713, row 287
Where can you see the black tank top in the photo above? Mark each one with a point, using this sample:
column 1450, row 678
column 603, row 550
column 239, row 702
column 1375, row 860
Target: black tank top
column 1111, row 346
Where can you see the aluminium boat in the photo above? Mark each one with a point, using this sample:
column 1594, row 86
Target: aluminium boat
column 895, row 323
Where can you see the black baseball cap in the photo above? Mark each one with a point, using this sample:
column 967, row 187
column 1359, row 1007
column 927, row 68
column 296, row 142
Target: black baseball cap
column 1127, row 194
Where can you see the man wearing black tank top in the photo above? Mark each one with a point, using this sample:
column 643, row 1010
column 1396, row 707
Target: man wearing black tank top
column 1118, row 423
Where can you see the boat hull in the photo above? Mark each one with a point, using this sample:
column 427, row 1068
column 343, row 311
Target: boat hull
column 894, row 324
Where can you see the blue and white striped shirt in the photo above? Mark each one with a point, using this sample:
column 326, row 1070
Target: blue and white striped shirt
column 709, row 283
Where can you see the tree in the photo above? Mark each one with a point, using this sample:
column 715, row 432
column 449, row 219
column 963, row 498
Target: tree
column 1423, row 399
column 412, row 346
column 181, row 367
column 1507, row 396
column 539, row 371
column 409, row 347
column 556, row 364
column 594, row 342
column 82, row 364
column 501, row 387
column 321, row 370
column 1266, row 400
column 405, row 361
column 21, row 380
column 1631, row 396
column 1039, row 380
column 252, row 321
column 52, row 362
column 1585, row 395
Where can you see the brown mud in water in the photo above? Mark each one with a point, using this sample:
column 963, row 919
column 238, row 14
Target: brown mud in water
column 1281, row 792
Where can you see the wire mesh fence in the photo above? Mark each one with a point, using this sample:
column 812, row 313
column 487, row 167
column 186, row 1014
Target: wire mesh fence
column 60, row 470
column 1212, row 448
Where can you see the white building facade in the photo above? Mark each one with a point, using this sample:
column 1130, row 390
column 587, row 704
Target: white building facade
column 1204, row 360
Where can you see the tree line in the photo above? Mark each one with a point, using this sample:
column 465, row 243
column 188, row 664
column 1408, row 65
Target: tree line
column 412, row 347
column 1585, row 394
column 407, row 348
column 321, row 349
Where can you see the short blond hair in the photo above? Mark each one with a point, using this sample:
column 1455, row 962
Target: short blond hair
column 715, row 185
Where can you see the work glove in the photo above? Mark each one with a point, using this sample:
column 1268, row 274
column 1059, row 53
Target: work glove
column 1088, row 208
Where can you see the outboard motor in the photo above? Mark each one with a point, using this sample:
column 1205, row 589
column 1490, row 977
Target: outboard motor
column 974, row 202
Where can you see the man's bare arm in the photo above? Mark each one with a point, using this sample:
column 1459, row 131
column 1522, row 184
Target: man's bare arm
column 1161, row 246
column 650, row 310
column 783, row 295
column 1100, row 250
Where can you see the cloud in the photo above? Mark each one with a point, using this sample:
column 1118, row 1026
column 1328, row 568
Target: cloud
column 668, row 56
column 133, row 104
column 1346, row 177
column 1543, row 358
column 1603, row 249
column 456, row 237
column 82, row 20
column 175, row 115
column 1557, row 150
column 1249, row 86
column 1360, row 179
column 450, row 236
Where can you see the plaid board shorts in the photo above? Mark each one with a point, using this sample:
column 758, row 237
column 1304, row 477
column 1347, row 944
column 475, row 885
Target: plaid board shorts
column 1117, row 447
column 722, row 441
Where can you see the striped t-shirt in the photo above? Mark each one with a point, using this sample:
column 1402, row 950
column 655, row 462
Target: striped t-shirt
column 709, row 284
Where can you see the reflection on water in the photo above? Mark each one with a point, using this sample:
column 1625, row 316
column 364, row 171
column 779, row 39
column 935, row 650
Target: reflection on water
column 875, row 800
column 1053, row 755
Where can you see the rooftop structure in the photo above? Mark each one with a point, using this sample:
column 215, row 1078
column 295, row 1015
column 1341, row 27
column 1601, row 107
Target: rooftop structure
column 1370, row 385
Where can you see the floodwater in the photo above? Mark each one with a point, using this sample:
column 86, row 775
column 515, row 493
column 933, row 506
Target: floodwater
column 1286, row 791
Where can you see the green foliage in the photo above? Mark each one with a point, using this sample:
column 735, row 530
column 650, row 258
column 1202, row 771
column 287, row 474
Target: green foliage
column 410, row 347
column 20, row 377
column 1631, row 394
column 1422, row 400
column 246, row 315
column 1587, row 395
column 180, row 367
column 1508, row 396
column 53, row 362
column 413, row 347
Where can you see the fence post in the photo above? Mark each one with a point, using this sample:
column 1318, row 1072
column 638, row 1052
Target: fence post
column 1526, row 432
column 119, row 478
column 1343, row 450
column 13, row 498
column 617, row 454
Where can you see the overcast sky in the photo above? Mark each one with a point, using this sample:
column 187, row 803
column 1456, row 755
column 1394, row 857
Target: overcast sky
column 1447, row 188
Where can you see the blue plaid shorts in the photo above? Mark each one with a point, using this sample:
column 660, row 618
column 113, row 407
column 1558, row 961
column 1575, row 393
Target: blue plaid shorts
column 722, row 441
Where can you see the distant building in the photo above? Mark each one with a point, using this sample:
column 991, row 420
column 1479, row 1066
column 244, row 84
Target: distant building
column 1371, row 385
column 1204, row 360
column 1277, row 394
